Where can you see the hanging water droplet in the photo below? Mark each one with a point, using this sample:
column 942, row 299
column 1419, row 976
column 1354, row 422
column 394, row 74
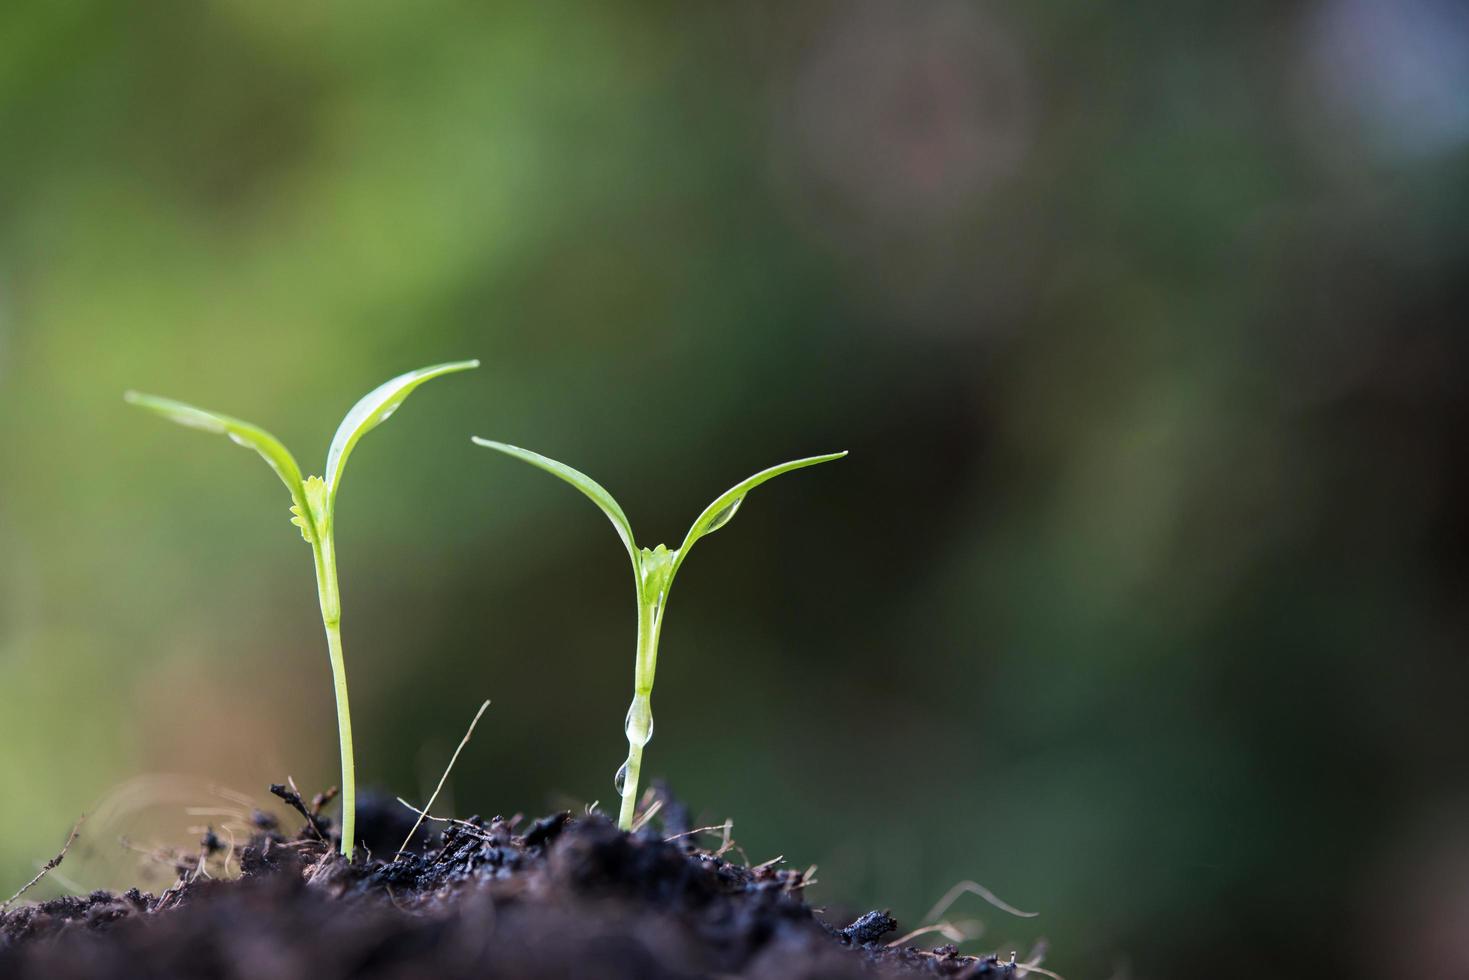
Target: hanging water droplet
column 620, row 780
column 722, row 518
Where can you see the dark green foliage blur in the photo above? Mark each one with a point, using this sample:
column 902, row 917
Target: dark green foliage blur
column 1140, row 600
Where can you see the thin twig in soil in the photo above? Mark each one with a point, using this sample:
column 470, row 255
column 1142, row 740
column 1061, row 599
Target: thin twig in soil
column 424, row 814
column 729, row 840
column 728, row 843
column 949, row 930
column 229, row 854
column 442, row 779
column 1032, row 968
column 49, row 866
column 974, row 888
column 320, row 800
column 200, row 869
column 292, row 798
column 698, row 830
column 647, row 815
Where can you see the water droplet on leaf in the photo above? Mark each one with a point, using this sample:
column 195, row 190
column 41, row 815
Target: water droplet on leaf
column 723, row 517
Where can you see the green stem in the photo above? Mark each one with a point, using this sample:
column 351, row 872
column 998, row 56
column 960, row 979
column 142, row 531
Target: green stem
column 331, row 618
column 639, row 724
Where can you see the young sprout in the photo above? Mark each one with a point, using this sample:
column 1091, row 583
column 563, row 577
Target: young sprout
column 653, row 572
column 313, row 504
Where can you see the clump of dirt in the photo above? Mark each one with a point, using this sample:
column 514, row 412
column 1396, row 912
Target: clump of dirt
column 565, row 896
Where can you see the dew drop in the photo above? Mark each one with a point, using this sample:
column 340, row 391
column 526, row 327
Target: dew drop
column 723, row 517
column 620, row 780
column 637, row 735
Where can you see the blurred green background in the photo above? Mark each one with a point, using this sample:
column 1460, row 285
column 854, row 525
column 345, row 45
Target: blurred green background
column 1140, row 598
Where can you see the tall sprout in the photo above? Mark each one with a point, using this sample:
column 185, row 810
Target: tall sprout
column 653, row 572
column 313, row 504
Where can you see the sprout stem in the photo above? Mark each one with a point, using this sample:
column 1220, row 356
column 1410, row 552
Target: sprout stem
column 640, row 713
column 631, row 770
column 331, row 619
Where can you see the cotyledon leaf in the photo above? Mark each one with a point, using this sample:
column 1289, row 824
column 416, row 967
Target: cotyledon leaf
column 593, row 490
column 241, row 433
column 724, row 507
column 372, row 410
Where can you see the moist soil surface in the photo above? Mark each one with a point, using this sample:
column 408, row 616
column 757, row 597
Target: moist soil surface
column 562, row 896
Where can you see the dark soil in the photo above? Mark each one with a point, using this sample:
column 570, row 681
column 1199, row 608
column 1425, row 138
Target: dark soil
column 561, row 897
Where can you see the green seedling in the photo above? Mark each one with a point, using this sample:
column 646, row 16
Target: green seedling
column 313, row 506
column 653, row 572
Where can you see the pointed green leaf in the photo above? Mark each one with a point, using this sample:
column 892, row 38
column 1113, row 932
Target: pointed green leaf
column 241, row 433
column 582, row 482
column 719, row 513
column 372, row 410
